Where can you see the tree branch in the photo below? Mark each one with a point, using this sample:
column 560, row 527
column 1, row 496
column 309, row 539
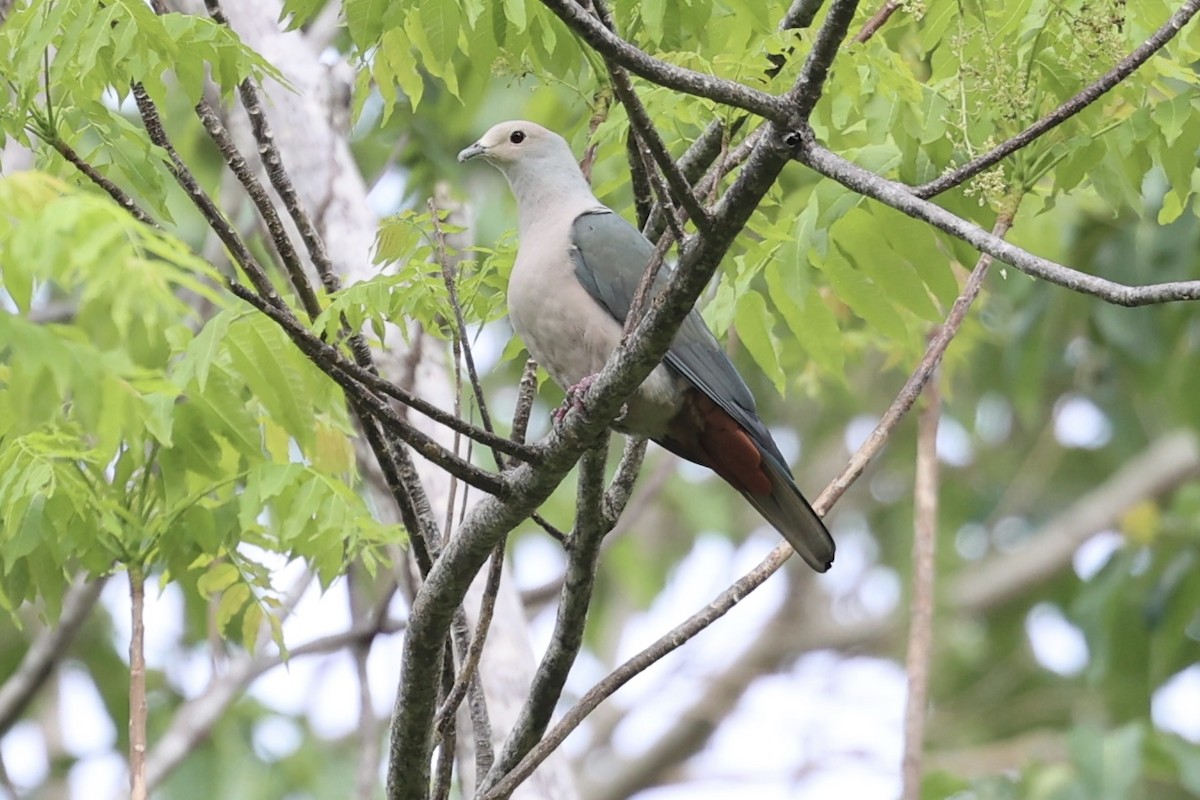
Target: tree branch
column 901, row 198
column 204, row 204
column 47, row 649
column 526, row 391
column 800, row 14
column 194, row 721
column 877, row 20
column 1122, row 70
column 137, row 685
column 583, row 553
column 609, row 45
column 470, row 659
column 1159, row 468
column 257, row 193
column 123, row 199
column 919, row 653
column 804, row 95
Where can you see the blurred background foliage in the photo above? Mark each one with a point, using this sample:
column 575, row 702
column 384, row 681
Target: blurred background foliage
column 1067, row 688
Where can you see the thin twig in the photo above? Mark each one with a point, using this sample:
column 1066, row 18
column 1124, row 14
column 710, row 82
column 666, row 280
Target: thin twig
column 204, row 204
column 617, row 495
column 1122, row 70
column 639, row 182
column 137, row 685
column 447, row 745
column 449, row 279
column 118, row 194
column 470, row 661
column 601, row 101
column 920, row 632
column 366, row 777
column 526, row 391
column 641, row 296
column 877, row 21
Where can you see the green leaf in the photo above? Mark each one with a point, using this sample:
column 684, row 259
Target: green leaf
column 808, row 318
column 754, row 322
column 863, row 296
column 365, row 20
column 300, row 12
column 251, row 624
column 514, row 12
column 431, row 45
column 440, row 22
column 652, row 12
column 203, row 351
column 159, row 416
column 396, row 64
column 859, row 236
column 231, row 603
column 268, row 363
column 218, row 578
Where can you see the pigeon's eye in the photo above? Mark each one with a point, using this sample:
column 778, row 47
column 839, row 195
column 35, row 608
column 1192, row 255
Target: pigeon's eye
column 516, row 137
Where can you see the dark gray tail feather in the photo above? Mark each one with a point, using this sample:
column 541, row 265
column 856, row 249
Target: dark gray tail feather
column 787, row 510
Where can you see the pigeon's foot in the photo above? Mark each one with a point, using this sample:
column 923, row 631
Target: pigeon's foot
column 574, row 400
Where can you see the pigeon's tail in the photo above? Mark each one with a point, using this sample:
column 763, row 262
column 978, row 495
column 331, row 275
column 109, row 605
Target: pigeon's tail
column 745, row 456
column 787, row 510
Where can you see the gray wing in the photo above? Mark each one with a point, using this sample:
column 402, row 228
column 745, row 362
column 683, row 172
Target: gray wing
column 610, row 256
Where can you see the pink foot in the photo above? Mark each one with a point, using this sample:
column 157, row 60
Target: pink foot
column 574, row 400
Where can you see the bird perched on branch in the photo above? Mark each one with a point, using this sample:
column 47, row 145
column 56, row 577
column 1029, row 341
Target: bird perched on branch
column 577, row 270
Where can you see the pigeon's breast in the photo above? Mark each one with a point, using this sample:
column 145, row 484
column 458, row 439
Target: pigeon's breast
column 572, row 335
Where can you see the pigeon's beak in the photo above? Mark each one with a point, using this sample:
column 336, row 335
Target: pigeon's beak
column 471, row 152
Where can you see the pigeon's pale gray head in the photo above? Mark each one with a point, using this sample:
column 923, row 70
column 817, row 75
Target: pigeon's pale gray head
column 515, row 142
column 540, row 167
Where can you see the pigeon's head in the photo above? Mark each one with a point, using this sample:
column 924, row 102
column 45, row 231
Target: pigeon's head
column 518, row 142
column 540, row 168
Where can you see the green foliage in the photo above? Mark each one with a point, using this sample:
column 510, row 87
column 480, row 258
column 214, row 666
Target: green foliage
column 90, row 54
column 135, row 434
column 1127, row 763
column 412, row 285
column 126, row 439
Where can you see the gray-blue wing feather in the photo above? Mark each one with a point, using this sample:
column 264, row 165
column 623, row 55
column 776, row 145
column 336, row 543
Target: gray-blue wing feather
column 610, row 257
